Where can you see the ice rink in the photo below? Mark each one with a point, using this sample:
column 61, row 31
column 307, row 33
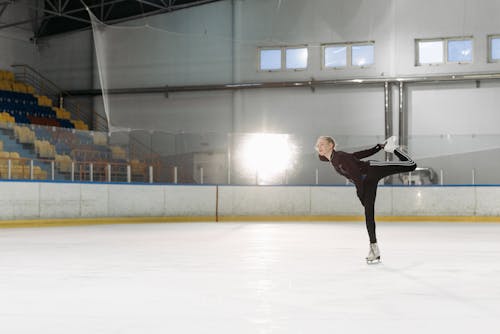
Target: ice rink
column 250, row 278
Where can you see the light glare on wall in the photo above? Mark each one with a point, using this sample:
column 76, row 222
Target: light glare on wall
column 267, row 156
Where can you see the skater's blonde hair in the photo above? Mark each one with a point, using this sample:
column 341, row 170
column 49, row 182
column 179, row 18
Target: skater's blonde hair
column 326, row 138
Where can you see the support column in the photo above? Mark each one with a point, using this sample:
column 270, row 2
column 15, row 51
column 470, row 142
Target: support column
column 403, row 116
column 389, row 129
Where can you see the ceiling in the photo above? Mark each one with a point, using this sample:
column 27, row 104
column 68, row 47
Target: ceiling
column 51, row 17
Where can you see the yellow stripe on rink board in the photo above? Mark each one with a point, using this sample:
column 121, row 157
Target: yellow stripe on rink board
column 271, row 218
column 465, row 219
column 102, row 221
column 264, row 218
column 449, row 219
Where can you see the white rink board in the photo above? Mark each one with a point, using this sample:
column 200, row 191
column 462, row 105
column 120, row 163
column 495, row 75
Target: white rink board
column 59, row 202
column 19, row 200
column 264, row 200
column 488, row 201
column 434, row 201
column 343, row 201
column 189, row 200
column 33, row 200
column 94, row 200
column 137, row 200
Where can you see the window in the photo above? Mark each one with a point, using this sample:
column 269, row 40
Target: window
column 283, row 58
column 430, row 52
column 494, row 49
column 296, row 58
column 348, row 55
column 362, row 55
column 460, row 51
column 444, row 50
column 270, row 60
column 335, row 56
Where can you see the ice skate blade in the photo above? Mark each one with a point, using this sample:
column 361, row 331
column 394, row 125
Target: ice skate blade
column 375, row 261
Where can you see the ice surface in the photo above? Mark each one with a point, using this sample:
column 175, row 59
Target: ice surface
column 250, row 278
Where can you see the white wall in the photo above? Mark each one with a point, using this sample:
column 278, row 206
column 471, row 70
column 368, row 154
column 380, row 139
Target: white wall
column 220, row 44
column 458, row 109
column 15, row 44
column 31, row 200
column 207, row 54
column 67, row 59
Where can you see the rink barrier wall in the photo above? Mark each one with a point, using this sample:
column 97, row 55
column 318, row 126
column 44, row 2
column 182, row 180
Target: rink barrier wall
column 58, row 204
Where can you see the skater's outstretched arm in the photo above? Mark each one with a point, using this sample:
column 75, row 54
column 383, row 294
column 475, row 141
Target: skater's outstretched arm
column 368, row 152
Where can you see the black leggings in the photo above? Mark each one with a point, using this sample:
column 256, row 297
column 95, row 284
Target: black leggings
column 377, row 171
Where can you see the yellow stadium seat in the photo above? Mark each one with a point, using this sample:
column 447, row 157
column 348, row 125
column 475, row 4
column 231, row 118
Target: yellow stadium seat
column 6, row 75
column 9, row 76
column 5, row 85
column 26, row 136
column 38, row 144
column 19, row 87
column 6, row 118
column 100, row 138
column 14, row 156
column 20, row 172
column 39, row 173
column 30, row 89
column 4, row 158
column 44, row 101
column 118, row 153
column 63, row 163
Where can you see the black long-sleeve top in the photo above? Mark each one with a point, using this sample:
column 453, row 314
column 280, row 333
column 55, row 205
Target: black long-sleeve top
column 350, row 166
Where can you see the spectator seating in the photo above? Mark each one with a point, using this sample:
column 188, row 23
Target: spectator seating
column 20, row 101
column 44, row 149
column 47, row 132
column 63, row 163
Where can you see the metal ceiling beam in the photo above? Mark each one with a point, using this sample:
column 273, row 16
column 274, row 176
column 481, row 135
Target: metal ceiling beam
column 65, row 5
column 51, row 5
column 152, row 4
column 103, row 3
column 173, row 6
column 41, row 28
column 56, row 14
column 161, row 11
column 4, row 7
column 102, row 10
column 67, row 13
column 110, row 8
column 15, row 24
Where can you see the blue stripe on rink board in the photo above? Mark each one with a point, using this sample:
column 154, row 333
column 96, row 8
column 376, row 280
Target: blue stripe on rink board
column 247, row 185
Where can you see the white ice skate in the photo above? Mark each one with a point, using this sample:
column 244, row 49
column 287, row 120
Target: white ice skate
column 390, row 144
column 374, row 254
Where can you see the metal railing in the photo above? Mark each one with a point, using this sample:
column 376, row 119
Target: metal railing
column 88, row 171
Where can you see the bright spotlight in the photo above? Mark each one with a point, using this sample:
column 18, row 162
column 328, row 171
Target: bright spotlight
column 267, row 156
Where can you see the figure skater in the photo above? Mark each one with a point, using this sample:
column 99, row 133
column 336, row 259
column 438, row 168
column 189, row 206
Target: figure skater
column 365, row 175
